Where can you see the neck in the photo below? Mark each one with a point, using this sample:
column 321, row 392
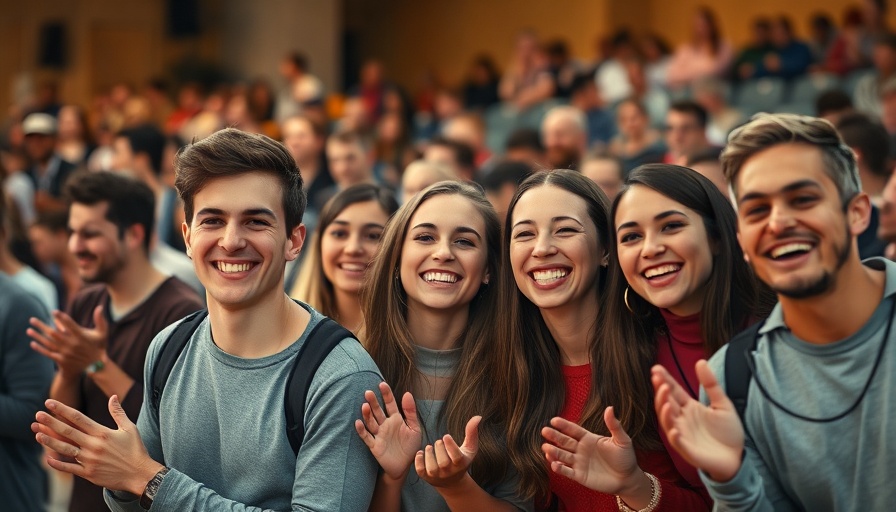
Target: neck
column 572, row 327
column 839, row 313
column 348, row 307
column 133, row 284
column 437, row 329
column 9, row 265
column 263, row 329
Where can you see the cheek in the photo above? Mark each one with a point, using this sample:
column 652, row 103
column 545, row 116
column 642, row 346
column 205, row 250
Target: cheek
column 628, row 260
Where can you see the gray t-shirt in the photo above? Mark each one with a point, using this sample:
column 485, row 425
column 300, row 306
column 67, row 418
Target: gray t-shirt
column 792, row 464
column 416, row 494
column 222, row 430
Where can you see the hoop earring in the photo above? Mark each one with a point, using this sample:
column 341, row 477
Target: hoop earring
column 625, row 299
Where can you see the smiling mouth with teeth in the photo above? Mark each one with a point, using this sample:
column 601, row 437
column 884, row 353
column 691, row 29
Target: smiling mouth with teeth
column 353, row 267
column 549, row 276
column 661, row 270
column 791, row 249
column 231, row 268
column 440, row 277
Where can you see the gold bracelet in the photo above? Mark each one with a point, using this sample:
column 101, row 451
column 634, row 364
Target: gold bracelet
column 655, row 493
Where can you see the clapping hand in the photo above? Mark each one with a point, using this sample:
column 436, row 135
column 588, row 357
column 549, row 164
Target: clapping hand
column 71, row 346
column 393, row 440
column 444, row 463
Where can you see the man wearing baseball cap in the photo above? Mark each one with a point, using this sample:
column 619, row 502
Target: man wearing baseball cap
column 48, row 171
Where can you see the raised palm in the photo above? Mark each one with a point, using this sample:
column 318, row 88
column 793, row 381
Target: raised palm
column 393, row 439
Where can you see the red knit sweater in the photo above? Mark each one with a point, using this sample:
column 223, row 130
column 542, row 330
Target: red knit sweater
column 677, row 494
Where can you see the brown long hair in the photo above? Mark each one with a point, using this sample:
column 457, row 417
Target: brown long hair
column 537, row 392
column 313, row 287
column 733, row 295
column 482, row 368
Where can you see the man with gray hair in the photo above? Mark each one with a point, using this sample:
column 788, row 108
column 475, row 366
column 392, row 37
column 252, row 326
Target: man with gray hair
column 797, row 411
column 565, row 135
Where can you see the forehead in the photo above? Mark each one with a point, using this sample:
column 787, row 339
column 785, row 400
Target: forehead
column 678, row 117
column 339, row 147
column 640, row 203
column 549, row 201
column 448, row 210
column 363, row 211
column 773, row 169
column 243, row 192
column 80, row 214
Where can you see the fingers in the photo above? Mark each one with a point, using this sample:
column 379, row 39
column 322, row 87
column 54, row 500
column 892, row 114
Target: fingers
column 118, row 414
column 369, row 421
column 409, row 406
column 556, row 454
column 59, row 446
column 667, row 410
column 46, row 352
column 364, row 434
column 715, row 393
column 99, row 321
column 561, row 469
column 374, row 405
column 66, row 323
column 559, row 439
column 59, row 428
column 388, row 399
column 620, row 436
column 420, row 463
column 569, row 428
column 471, row 436
column 75, row 418
column 68, row 467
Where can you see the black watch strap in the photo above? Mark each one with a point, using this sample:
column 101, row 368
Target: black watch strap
column 152, row 487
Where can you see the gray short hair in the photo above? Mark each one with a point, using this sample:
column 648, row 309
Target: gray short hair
column 767, row 130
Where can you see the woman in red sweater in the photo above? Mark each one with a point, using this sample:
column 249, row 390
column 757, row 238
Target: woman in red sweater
column 683, row 292
column 556, row 237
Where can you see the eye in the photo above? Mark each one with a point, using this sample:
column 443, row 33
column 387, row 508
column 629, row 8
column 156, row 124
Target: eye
column 673, row 225
column 567, row 230
column 630, row 236
column 755, row 211
column 424, row 238
column 338, row 233
column 804, row 200
column 375, row 236
column 210, row 221
column 520, row 235
column 465, row 242
column 259, row 222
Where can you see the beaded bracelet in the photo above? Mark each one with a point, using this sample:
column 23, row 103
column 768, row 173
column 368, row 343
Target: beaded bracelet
column 656, row 492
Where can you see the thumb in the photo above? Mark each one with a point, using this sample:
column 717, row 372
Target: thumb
column 99, row 321
column 471, row 435
column 717, row 397
column 118, row 414
column 620, row 436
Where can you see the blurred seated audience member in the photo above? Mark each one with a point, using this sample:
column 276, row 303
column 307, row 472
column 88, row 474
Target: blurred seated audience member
column 393, row 148
column 209, row 120
column 28, row 278
column 524, row 145
column 48, row 171
column 562, row 67
column 501, row 184
column 46, row 98
column 421, row 174
column 481, row 86
column 260, row 103
column 886, row 231
column 790, row 57
column 459, row 157
column 155, row 90
column 49, row 242
column 136, row 111
column 707, row 163
column 190, row 98
column 869, row 141
column 16, row 182
column 447, row 104
column 832, row 105
column 371, row 89
column 138, row 154
column 656, row 55
column 73, row 142
column 236, row 113
column 350, row 160
column 636, row 142
column 710, row 93
column 605, row 170
column 354, row 117
column 685, row 131
column 101, row 157
column 564, row 133
column 305, row 139
column 822, row 35
column 705, row 54
column 527, row 80
column 585, row 97
column 888, row 112
column 750, row 57
column 301, row 86
column 845, row 54
column 867, row 94
column 655, row 99
column 611, row 77
column 874, row 24
column 469, row 129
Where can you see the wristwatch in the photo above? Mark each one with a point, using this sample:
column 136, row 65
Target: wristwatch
column 95, row 367
column 149, row 493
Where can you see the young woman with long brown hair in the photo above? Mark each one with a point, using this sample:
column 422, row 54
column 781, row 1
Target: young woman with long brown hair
column 345, row 242
column 430, row 307
column 552, row 285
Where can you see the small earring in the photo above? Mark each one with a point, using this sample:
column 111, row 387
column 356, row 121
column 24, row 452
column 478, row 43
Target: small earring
column 189, row 253
column 625, row 299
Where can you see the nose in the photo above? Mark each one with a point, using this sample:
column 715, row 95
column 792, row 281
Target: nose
column 653, row 246
column 74, row 243
column 780, row 219
column 232, row 239
column 544, row 245
column 353, row 245
column 442, row 251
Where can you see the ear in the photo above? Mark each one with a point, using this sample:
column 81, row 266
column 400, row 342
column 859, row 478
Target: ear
column 295, row 242
column 858, row 214
column 741, row 243
column 134, row 235
column 185, row 231
column 486, row 278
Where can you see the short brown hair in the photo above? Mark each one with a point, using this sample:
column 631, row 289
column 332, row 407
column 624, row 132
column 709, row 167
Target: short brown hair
column 767, row 130
column 231, row 152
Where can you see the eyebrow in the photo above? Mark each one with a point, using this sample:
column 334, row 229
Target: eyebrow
column 796, row 185
column 659, row 216
column 459, row 229
column 368, row 225
column 264, row 212
column 553, row 220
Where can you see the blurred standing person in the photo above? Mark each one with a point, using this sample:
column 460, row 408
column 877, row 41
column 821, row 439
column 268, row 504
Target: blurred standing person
column 301, row 86
column 73, row 142
column 48, row 171
column 706, row 54
column 527, row 80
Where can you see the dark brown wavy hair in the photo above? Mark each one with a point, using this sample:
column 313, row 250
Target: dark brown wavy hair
column 483, row 361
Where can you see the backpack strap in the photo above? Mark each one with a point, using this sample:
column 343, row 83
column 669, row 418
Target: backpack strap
column 322, row 339
column 170, row 353
column 737, row 372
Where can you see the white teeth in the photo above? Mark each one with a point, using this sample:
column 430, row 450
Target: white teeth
column 789, row 248
column 353, row 267
column 441, row 277
column 232, row 267
column 658, row 271
column 549, row 276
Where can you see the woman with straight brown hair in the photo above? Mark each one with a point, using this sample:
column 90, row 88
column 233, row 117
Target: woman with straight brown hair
column 429, row 313
column 552, row 286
